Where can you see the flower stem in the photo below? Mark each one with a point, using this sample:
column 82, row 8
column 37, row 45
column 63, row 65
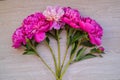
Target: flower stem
column 59, row 79
column 66, row 49
column 68, row 63
column 46, row 64
column 59, row 60
column 53, row 55
column 30, row 44
column 64, row 58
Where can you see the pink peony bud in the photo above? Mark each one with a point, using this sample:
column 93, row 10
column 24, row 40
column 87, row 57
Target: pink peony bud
column 101, row 49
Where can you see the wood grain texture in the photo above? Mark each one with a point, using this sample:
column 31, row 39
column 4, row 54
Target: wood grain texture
column 15, row 66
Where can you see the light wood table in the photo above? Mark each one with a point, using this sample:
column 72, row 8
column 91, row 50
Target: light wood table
column 15, row 66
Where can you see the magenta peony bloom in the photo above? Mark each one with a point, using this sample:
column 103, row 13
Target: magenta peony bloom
column 35, row 24
column 93, row 29
column 18, row 38
column 54, row 14
column 71, row 17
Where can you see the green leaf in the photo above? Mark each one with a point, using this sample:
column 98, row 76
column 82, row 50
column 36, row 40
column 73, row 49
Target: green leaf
column 47, row 40
column 87, row 44
column 84, row 57
column 52, row 35
column 24, row 53
column 95, row 50
column 28, row 52
column 69, row 40
column 76, row 36
column 27, row 46
column 69, row 35
column 74, row 47
column 70, row 32
column 88, row 56
column 80, row 54
column 66, row 27
column 35, row 44
column 60, row 31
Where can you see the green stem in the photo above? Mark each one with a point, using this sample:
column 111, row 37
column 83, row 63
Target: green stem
column 64, row 58
column 59, row 61
column 53, row 55
column 46, row 65
column 29, row 43
column 66, row 49
column 68, row 63
column 59, row 79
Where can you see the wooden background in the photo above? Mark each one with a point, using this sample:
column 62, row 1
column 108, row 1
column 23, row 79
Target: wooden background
column 15, row 66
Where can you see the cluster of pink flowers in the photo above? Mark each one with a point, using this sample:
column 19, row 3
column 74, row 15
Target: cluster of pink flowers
column 36, row 25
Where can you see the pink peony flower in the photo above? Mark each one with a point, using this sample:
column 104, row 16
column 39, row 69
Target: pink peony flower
column 34, row 24
column 93, row 29
column 71, row 17
column 54, row 14
column 18, row 38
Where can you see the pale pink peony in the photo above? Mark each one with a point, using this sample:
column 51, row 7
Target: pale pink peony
column 35, row 24
column 93, row 29
column 54, row 14
column 18, row 38
column 71, row 17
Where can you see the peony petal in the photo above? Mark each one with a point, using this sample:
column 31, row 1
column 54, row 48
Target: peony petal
column 95, row 40
column 56, row 25
column 39, row 36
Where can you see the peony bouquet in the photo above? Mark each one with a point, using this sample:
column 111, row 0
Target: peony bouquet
column 83, row 36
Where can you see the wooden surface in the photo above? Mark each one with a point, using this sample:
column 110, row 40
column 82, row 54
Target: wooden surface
column 15, row 66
